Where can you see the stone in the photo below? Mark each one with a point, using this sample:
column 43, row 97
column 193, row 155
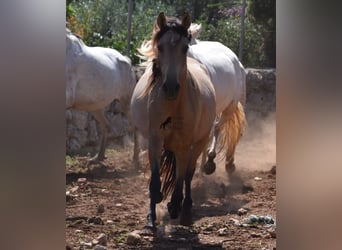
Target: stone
column 241, row 211
column 102, row 239
column 100, row 247
column 222, row 231
column 133, row 238
column 100, row 208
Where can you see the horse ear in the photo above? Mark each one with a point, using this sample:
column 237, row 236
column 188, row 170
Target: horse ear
column 186, row 20
column 161, row 20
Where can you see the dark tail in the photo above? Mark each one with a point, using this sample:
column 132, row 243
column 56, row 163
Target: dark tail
column 168, row 172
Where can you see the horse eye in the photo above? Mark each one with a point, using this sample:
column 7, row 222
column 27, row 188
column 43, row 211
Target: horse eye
column 160, row 48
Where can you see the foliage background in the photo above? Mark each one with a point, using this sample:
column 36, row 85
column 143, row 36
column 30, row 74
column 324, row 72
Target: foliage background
column 104, row 23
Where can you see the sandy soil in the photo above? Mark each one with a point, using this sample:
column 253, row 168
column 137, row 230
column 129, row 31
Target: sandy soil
column 113, row 199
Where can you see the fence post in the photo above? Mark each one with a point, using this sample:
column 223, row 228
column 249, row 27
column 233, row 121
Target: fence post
column 242, row 34
column 130, row 10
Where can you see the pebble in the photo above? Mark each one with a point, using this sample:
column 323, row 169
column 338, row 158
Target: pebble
column 133, row 238
column 241, row 211
column 222, row 231
column 82, row 180
column 102, row 239
column 95, row 220
column 100, row 208
column 87, row 244
column 255, row 235
column 74, row 189
column 234, row 221
column 100, row 247
column 257, row 178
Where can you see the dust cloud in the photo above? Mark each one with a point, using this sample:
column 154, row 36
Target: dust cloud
column 257, row 147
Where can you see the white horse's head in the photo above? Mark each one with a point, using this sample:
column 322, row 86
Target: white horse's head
column 195, row 30
column 74, row 43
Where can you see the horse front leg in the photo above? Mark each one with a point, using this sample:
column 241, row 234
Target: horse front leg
column 155, row 184
column 175, row 204
column 186, row 216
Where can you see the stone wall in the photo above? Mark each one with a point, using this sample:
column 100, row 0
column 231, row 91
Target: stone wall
column 82, row 129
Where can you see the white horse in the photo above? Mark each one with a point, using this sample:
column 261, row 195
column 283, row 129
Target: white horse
column 229, row 79
column 96, row 76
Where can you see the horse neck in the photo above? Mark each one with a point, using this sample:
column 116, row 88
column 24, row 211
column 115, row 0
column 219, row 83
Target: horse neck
column 75, row 47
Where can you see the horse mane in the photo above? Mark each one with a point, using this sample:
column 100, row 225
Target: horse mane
column 147, row 52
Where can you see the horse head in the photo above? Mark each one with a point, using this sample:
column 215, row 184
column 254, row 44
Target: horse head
column 172, row 41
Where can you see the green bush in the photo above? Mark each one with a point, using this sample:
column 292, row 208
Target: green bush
column 104, row 23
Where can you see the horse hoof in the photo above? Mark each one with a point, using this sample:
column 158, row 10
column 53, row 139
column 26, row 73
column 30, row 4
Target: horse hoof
column 230, row 168
column 209, row 168
column 148, row 230
column 185, row 218
column 172, row 211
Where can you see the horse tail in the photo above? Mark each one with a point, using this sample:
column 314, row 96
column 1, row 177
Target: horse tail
column 168, row 172
column 231, row 129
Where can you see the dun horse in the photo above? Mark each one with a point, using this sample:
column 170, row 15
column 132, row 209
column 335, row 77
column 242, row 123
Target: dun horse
column 95, row 76
column 174, row 105
column 229, row 79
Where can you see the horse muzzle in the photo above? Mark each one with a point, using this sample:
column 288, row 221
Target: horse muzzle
column 171, row 90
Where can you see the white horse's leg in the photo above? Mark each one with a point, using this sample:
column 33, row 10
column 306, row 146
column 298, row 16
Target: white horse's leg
column 209, row 166
column 100, row 117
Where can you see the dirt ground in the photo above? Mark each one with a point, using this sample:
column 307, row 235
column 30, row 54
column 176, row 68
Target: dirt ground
column 113, row 200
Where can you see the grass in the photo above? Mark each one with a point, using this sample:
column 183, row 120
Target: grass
column 71, row 161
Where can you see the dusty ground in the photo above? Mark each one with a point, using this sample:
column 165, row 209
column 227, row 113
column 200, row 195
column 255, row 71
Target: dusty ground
column 113, row 200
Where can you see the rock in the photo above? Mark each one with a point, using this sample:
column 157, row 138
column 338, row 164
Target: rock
column 102, row 239
column 257, row 178
column 86, row 244
column 95, row 220
column 82, row 180
column 268, row 219
column 255, row 235
column 222, row 231
column 100, row 247
column 100, row 208
column 73, row 189
column 133, row 238
column 272, row 232
column 209, row 227
column 253, row 219
column 241, row 211
column 234, row 221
